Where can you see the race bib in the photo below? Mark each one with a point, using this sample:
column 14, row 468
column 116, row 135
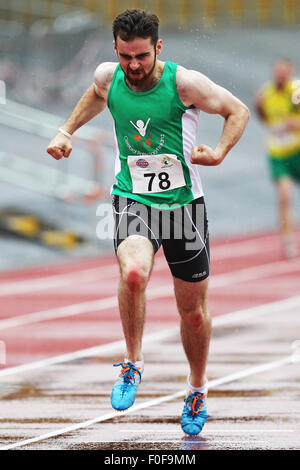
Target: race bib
column 155, row 173
column 279, row 136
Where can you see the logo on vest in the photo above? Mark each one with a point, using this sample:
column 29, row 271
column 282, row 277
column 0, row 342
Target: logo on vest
column 141, row 163
column 143, row 139
column 166, row 161
column 140, row 126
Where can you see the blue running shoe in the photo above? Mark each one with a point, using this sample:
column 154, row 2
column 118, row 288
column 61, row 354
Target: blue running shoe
column 125, row 388
column 194, row 413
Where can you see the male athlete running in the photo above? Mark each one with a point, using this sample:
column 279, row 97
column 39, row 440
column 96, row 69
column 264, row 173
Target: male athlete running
column 277, row 106
column 155, row 107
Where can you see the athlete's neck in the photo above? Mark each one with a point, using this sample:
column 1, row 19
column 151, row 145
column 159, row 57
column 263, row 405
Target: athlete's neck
column 151, row 81
column 280, row 85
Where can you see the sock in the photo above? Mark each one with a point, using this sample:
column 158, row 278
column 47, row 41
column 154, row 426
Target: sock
column 202, row 390
column 138, row 364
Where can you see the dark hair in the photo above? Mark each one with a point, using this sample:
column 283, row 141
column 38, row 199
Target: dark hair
column 136, row 24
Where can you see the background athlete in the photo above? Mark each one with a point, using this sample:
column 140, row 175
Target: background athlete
column 277, row 105
column 169, row 97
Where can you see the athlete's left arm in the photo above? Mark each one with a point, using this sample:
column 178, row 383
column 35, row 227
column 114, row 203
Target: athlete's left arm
column 196, row 89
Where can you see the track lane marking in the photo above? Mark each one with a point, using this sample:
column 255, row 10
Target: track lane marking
column 211, row 384
column 60, row 280
column 218, row 280
column 77, row 309
column 240, row 315
column 245, row 247
column 88, row 352
column 219, row 252
column 51, row 282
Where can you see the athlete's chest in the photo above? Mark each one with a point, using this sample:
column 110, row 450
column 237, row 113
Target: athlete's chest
column 158, row 106
column 277, row 104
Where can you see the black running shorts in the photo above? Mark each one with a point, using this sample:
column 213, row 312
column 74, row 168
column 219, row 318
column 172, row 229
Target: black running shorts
column 182, row 232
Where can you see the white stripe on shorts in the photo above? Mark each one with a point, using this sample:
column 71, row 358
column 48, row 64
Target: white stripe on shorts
column 130, row 213
column 200, row 251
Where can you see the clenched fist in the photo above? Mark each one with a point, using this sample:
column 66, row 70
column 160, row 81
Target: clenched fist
column 60, row 146
column 205, row 155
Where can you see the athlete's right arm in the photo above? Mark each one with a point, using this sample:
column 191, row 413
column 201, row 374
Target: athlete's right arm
column 90, row 104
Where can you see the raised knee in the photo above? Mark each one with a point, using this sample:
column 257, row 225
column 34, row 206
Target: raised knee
column 135, row 279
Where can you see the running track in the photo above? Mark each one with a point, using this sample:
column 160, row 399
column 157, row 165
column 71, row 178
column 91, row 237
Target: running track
column 53, row 310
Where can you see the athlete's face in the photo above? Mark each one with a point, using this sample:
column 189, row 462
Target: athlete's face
column 282, row 72
column 137, row 59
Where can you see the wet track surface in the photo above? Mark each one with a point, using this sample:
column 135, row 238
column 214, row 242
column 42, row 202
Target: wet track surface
column 255, row 412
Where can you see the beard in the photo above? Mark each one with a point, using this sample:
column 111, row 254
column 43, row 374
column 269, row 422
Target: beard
column 139, row 77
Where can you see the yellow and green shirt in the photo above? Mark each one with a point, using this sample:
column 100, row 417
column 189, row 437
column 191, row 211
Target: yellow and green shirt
column 278, row 106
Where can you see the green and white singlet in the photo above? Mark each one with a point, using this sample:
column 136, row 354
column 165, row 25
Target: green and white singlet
column 154, row 135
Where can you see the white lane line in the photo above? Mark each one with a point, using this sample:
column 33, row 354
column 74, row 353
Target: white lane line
column 230, row 250
column 77, row 309
column 238, row 316
column 256, row 272
column 211, row 384
column 219, row 280
column 245, row 247
column 89, row 352
column 254, row 312
column 59, row 312
column 58, row 280
column 66, row 279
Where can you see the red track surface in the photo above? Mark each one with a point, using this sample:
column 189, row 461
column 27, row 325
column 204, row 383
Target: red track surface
column 245, row 272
